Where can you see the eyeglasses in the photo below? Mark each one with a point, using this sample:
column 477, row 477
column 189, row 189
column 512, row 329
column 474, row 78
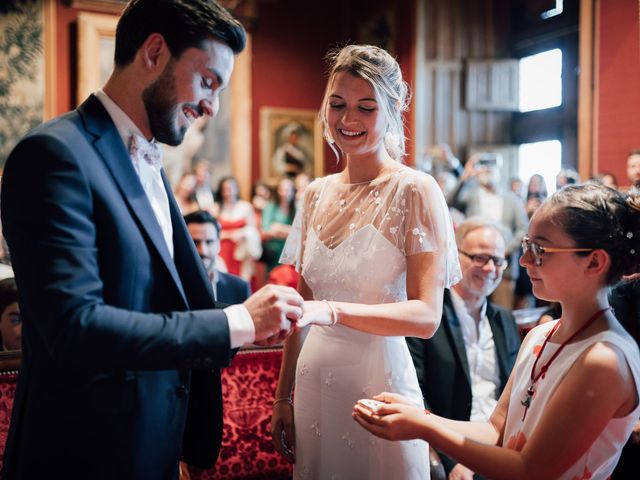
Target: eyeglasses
column 537, row 250
column 481, row 260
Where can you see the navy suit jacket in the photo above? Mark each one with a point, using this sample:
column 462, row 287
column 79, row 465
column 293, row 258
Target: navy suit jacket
column 232, row 289
column 120, row 342
column 442, row 366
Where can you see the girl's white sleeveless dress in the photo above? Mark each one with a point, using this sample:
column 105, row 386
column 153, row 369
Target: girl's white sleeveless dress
column 599, row 460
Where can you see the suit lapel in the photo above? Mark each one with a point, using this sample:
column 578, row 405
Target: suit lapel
column 189, row 266
column 453, row 324
column 114, row 154
column 500, row 343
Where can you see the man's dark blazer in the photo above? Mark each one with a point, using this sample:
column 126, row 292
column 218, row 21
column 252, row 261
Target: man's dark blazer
column 119, row 376
column 442, row 366
column 232, row 289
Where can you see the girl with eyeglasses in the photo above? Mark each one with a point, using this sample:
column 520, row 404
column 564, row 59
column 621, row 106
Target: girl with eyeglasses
column 573, row 396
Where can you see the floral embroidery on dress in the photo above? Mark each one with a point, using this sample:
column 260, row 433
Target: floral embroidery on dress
column 330, row 380
column 419, row 233
column 304, row 472
column 348, row 440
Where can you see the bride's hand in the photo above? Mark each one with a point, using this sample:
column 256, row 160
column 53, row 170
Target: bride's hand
column 282, row 430
column 316, row 313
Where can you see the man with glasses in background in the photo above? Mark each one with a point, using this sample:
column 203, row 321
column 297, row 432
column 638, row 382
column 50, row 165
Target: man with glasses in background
column 464, row 367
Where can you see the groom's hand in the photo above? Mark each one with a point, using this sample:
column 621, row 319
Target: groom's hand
column 272, row 309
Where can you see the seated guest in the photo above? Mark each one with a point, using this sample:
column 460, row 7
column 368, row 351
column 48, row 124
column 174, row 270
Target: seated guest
column 625, row 302
column 202, row 189
column 567, row 176
column 185, row 193
column 205, row 232
column 464, row 367
column 607, row 179
column 277, row 218
column 478, row 193
column 633, row 168
column 10, row 320
column 240, row 244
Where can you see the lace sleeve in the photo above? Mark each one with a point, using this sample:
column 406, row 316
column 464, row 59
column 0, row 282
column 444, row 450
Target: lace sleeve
column 428, row 226
column 292, row 251
column 294, row 246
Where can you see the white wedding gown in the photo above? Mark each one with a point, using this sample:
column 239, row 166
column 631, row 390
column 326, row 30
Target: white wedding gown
column 350, row 243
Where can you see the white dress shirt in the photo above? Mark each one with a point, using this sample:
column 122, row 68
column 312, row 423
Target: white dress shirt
column 482, row 359
column 241, row 328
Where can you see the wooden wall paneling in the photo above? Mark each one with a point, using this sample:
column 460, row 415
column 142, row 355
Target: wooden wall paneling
column 455, row 77
column 50, row 61
column 241, row 131
column 420, row 93
column 587, row 161
column 451, row 32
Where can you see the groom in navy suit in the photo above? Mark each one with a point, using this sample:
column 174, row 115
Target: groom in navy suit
column 121, row 337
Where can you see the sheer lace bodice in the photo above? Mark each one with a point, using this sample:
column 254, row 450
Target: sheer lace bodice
column 348, row 222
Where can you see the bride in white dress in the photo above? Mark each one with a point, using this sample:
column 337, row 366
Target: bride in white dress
column 375, row 248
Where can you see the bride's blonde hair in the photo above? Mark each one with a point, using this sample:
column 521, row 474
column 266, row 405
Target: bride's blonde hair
column 382, row 71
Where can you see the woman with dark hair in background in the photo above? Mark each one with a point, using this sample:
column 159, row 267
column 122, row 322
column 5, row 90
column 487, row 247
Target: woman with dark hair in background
column 536, row 194
column 240, row 244
column 277, row 218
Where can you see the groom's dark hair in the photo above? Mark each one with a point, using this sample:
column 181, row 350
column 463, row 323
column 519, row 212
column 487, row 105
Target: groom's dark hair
column 182, row 23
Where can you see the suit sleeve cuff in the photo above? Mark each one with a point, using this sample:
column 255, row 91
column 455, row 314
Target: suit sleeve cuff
column 241, row 329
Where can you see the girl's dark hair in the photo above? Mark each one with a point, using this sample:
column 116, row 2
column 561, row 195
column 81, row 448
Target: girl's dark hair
column 599, row 217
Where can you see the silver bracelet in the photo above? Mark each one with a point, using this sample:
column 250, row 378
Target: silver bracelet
column 334, row 314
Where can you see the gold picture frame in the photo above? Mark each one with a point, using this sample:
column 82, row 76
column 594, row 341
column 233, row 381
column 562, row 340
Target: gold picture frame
column 106, row 6
column 290, row 141
column 96, row 44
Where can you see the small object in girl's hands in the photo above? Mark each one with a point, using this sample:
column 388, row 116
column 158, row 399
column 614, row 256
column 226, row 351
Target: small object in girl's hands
column 371, row 405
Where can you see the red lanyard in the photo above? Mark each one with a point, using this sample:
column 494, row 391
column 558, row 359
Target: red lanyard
column 534, row 378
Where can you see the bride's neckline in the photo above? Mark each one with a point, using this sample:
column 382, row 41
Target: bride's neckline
column 373, row 181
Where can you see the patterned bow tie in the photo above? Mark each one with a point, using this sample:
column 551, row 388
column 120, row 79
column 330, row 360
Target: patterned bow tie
column 151, row 152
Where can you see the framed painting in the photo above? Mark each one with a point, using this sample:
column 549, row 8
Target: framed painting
column 106, row 6
column 96, row 44
column 290, row 143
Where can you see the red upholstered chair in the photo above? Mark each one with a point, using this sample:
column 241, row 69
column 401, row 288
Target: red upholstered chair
column 7, row 392
column 247, row 386
column 284, row 275
column 247, row 453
